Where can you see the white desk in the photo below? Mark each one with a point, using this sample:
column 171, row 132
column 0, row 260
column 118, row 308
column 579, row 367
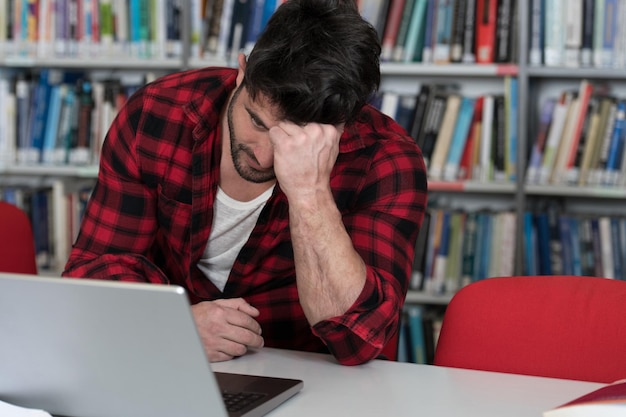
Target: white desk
column 390, row 389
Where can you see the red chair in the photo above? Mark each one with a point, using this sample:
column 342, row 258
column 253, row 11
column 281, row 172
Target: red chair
column 17, row 246
column 566, row 327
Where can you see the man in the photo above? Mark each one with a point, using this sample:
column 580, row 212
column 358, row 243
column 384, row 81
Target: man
column 286, row 206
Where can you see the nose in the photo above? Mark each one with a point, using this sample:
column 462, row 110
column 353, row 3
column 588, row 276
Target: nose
column 264, row 154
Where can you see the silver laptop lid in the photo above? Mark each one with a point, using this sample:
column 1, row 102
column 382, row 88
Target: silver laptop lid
column 91, row 348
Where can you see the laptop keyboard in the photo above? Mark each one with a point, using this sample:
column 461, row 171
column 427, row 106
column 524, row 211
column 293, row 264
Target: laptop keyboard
column 236, row 401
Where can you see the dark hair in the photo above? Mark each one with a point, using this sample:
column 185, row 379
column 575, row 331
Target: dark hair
column 317, row 61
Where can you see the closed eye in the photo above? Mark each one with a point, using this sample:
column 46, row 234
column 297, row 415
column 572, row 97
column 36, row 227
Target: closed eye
column 256, row 120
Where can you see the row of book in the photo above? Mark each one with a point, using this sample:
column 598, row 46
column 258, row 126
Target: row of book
column 457, row 247
column 461, row 137
column 439, row 31
column 444, row 31
column 58, row 117
column 93, row 28
column 578, row 33
column 418, row 334
column 557, row 243
column 580, row 139
column 146, row 29
column 55, row 213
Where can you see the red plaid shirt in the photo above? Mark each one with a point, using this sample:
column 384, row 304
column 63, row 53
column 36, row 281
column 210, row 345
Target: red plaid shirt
column 150, row 214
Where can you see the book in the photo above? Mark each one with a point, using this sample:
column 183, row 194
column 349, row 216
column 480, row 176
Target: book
column 392, row 27
column 586, row 48
column 616, row 147
column 405, row 110
column 606, row 401
column 597, row 124
column 433, row 123
column 403, row 30
column 559, row 118
column 444, row 137
column 578, row 119
column 452, row 280
column 486, row 13
column 598, row 165
column 543, row 243
column 510, row 108
column 573, row 33
column 416, row 32
column 469, row 35
column 535, row 53
column 606, row 247
column 429, row 31
column 441, row 255
column 536, row 153
column 458, row 30
column 443, row 32
column 598, row 32
column 484, row 171
column 468, row 250
column 459, row 138
column 472, row 143
column 610, row 28
column 554, row 34
column 416, row 334
column 498, row 148
column 504, row 31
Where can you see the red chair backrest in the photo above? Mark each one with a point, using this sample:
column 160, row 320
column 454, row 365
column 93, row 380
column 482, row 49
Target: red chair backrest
column 17, row 245
column 566, row 327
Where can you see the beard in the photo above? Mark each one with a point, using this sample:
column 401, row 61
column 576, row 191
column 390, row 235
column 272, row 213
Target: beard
column 238, row 151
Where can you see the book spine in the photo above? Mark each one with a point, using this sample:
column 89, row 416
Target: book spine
column 554, row 34
column 616, row 146
column 431, row 15
column 461, row 130
column 486, row 12
column 598, row 32
column 586, row 51
column 401, row 39
column 498, row 150
column 535, row 54
column 392, row 26
column 469, row 35
column 573, row 32
column 504, row 25
column 458, row 30
column 443, row 33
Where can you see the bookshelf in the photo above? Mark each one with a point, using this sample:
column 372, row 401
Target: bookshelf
column 534, row 84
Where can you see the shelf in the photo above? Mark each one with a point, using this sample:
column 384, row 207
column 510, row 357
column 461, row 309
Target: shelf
column 576, row 73
column 421, row 297
column 472, row 187
column 575, row 191
column 87, row 171
column 116, row 62
column 448, row 70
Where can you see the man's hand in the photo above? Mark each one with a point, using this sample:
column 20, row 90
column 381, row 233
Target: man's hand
column 227, row 328
column 304, row 156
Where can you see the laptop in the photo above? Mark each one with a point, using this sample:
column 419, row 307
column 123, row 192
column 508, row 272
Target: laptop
column 93, row 348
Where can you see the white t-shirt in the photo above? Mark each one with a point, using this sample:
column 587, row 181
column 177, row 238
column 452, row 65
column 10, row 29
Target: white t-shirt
column 233, row 222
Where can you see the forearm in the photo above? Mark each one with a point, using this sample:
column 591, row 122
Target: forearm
column 330, row 273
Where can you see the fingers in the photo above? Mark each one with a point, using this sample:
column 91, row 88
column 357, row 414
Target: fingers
column 227, row 328
column 238, row 304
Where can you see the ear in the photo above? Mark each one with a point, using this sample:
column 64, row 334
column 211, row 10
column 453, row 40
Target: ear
column 241, row 60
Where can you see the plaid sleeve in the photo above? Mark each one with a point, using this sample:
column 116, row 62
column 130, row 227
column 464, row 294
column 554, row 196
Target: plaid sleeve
column 383, row 229
column 119, row 222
